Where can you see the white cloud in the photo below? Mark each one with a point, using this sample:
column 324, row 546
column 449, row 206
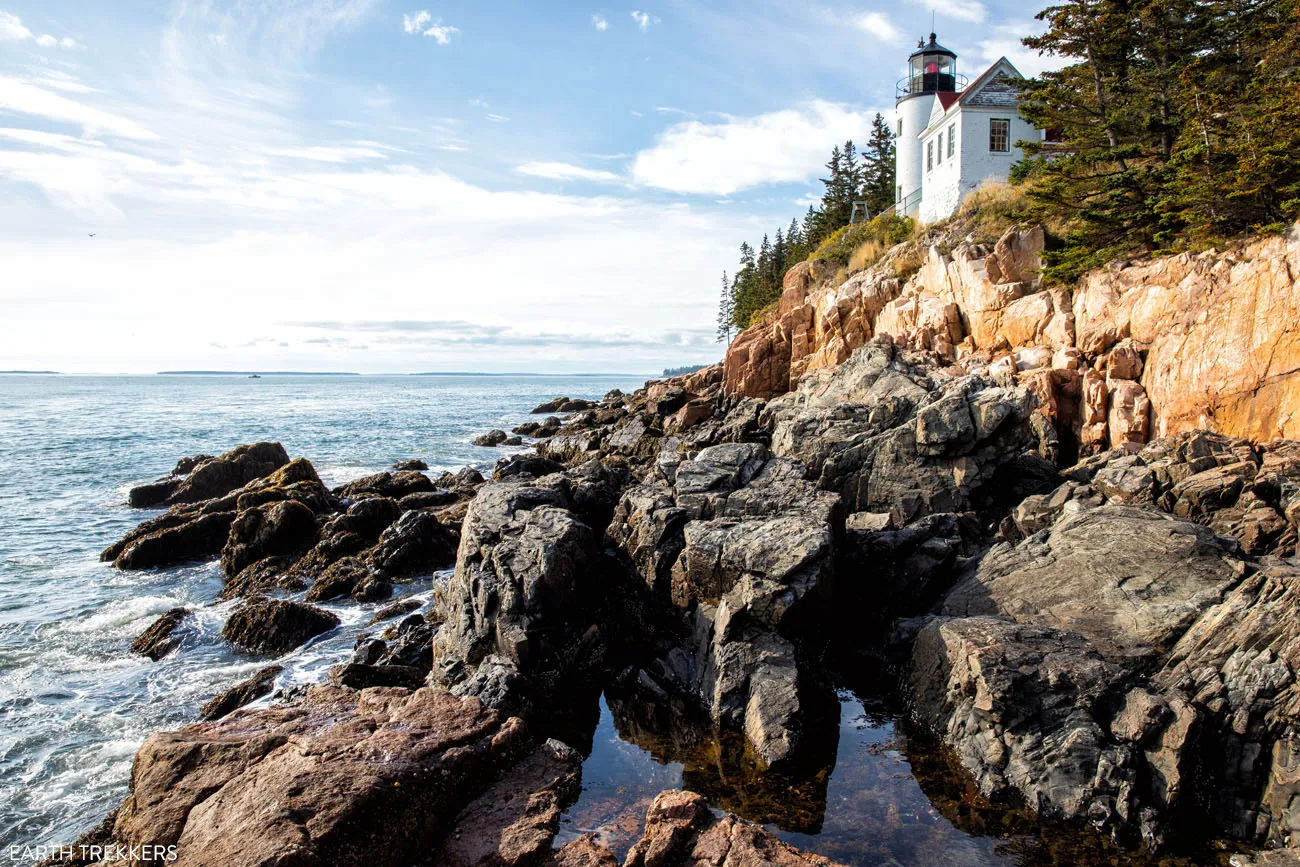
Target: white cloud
column 878, row 25
column 61, row 81
column 424, row 24
column 497, row 118
column 962, row 10
column 23, row 98
column 644, row 19
column 210, row 174
column 786, row 146
column 1004, row 40
column 600, row 23
column 329, row 154
column 414, row 23
column 566, row 172
column 12, row 29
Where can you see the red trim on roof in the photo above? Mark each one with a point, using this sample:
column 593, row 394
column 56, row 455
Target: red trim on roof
column 948, row 99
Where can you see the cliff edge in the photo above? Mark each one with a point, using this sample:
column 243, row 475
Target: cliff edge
column 1135, row 351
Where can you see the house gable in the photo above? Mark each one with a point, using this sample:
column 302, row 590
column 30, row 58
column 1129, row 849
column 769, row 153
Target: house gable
column 998, row 87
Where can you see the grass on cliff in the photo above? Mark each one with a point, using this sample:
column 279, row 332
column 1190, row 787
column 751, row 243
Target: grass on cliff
column 861, row 245
column 765, row 314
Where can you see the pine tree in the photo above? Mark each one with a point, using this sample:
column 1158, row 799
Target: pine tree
column 748, row 290
column 795, row 248
column 843, row 187
column 1112, row 107
column 879, row 168
column 725, row 309
column 779, row 261
column 1235, row 167
column 812, row 232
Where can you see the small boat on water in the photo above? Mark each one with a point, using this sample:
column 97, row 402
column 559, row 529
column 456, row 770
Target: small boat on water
column 255, row 376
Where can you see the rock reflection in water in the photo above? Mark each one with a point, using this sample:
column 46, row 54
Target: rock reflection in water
column 874, row 796
column 720, row 767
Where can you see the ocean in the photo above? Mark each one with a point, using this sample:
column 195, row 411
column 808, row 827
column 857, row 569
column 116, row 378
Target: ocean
column 75, row 704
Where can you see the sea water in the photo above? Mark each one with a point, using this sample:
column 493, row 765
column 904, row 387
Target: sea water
column 75, row 704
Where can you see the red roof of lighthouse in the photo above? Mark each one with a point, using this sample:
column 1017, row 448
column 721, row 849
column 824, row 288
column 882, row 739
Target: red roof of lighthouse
column 947, row 100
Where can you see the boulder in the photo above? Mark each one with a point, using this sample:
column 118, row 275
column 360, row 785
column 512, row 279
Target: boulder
column 515, row 820
column 356, row 675
column 415, row 544
column 199, row 538
column 273, row 627
column 1240, row 665
column 1129, row 579
column 394, row 485
column 262, row 577
column 400, row 608
column 321, row 781
column 519, row 610
column 371, row 516
column 564, row 404
column 890, row 436
column 1024, row 707
column 198, row 531
column 281, row 528
column 525, row 464
column 740, row 550
column 240, row 694
column 204, row 478
column 681, row 830
column 160, row 638
column 490, row 439
column 349, row 576
column 413, row 464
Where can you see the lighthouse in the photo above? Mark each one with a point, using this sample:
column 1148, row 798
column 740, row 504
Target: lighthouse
column 932, row 70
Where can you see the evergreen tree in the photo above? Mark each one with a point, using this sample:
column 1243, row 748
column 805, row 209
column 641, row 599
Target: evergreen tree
column 879, row 168
column 1236, row 166
column 812, row 233
column 779, row 262
column 795, row 248
column 725, row 309
column 747, row 288
column 843, row 188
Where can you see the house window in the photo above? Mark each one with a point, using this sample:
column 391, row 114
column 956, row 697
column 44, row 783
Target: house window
column 952, row 140
column 940, row 148
column 929, row 155
column 999, row 135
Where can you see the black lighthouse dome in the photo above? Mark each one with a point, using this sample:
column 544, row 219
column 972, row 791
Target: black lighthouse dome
column 931, row 69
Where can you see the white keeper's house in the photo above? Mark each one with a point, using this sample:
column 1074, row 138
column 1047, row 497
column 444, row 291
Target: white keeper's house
column 953, row 135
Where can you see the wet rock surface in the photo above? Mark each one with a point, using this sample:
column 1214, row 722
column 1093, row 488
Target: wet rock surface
column 272, row 627
column 303, row 782
column 161, row 637
column 1108, row 642
column 240, row 694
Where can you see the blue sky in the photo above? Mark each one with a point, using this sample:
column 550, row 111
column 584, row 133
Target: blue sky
column 387, row 186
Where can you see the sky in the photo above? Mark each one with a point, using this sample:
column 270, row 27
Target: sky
column 407, row 185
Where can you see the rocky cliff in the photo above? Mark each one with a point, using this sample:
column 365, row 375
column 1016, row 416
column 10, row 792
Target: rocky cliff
column 1136, row 351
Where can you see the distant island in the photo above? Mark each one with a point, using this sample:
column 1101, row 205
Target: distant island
column 29, row 372
column 683, row 370
column 253, row 373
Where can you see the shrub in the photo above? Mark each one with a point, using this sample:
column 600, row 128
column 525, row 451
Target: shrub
column 864, row 243
column 765, row 314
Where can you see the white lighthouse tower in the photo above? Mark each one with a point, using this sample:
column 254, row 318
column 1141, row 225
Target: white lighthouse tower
column 932, row 71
